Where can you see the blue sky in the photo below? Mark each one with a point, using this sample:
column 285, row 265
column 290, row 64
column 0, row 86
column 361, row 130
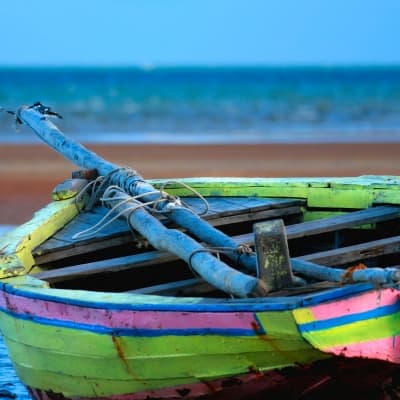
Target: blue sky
column 199, row 32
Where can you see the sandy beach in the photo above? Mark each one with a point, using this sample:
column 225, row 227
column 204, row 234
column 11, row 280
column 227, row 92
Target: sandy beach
column 28, row 173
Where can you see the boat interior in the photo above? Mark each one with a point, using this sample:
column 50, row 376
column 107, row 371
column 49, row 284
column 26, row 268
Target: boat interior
column 117, row 259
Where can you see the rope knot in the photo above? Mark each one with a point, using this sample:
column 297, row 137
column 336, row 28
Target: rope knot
column 244, row 248
column 172, row 201
column 348, row 274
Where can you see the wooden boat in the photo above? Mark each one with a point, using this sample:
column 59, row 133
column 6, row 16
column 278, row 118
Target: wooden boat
column 93, row 310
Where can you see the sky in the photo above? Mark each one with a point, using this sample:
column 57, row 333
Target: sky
column 199, row 32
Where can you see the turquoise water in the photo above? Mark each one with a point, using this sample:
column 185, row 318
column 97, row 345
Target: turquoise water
column 10, row 385
column 191, row 105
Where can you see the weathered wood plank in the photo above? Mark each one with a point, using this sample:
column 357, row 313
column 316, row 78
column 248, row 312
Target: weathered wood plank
column 254, row 216
column 253, row 203
column 349, row 220
column 62, row 245
column 331, row 257
column 111, row 265
column 331, row 224
column 63, row 238
column 273, row 254
column 59, row 243
column 357, row 252
column 82, row 248
column 103, row 266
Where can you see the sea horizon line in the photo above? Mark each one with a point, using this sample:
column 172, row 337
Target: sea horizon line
column 153, row 66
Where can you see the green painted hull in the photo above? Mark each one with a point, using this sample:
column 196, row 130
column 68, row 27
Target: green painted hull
column 83, row 344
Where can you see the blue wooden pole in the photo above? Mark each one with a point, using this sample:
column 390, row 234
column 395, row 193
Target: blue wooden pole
column 79, row 154
column 131, row 182
column 323, row 273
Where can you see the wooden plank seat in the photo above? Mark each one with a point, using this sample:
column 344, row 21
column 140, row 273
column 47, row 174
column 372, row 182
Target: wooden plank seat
column 329, row 257
column 222, row 211
column 359, row 252
column 331, row 224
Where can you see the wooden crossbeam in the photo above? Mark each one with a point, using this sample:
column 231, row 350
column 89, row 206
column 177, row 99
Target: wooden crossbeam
column 332, row 224
column 356, row 252
column 330, row 257
column 221, row 213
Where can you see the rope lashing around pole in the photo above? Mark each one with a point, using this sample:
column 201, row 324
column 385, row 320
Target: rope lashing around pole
column 151, row 206
column 239, row 250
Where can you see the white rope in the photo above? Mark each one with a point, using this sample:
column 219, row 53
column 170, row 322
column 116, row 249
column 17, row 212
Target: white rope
column 152, row 205
column 91, row 184
column 241, row 249
column 194, row 191
column 106, row 220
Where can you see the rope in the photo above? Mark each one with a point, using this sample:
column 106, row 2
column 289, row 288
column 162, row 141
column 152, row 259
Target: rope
column 194, row 191
column 244, row 248
column 347, row 277
column 80, row 194
column 152, row 206
column 107, row 179
column 241, row 249
column 106, row 220
column 126, row 178
column 101, row 181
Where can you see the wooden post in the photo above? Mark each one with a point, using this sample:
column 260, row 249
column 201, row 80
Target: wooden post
column 273, row 254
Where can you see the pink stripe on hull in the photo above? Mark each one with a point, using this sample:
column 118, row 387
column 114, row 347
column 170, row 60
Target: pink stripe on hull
column 387, row 349
column 126, row 319
column 356, row 304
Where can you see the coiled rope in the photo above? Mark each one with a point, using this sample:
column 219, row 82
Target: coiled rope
column 161, row 204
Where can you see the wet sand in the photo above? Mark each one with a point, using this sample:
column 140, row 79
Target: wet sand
column 28, row 173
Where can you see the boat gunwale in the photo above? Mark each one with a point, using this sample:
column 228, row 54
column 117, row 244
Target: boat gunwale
column 144, row 302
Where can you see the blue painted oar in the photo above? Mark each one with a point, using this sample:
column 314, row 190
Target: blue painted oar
column 371, row 275
column 133, row 184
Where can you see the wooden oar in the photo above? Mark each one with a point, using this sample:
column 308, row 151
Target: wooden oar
column 133, row 184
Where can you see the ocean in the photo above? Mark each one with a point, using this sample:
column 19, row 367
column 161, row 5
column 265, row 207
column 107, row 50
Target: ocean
column 10, row 385
column 209, row 104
